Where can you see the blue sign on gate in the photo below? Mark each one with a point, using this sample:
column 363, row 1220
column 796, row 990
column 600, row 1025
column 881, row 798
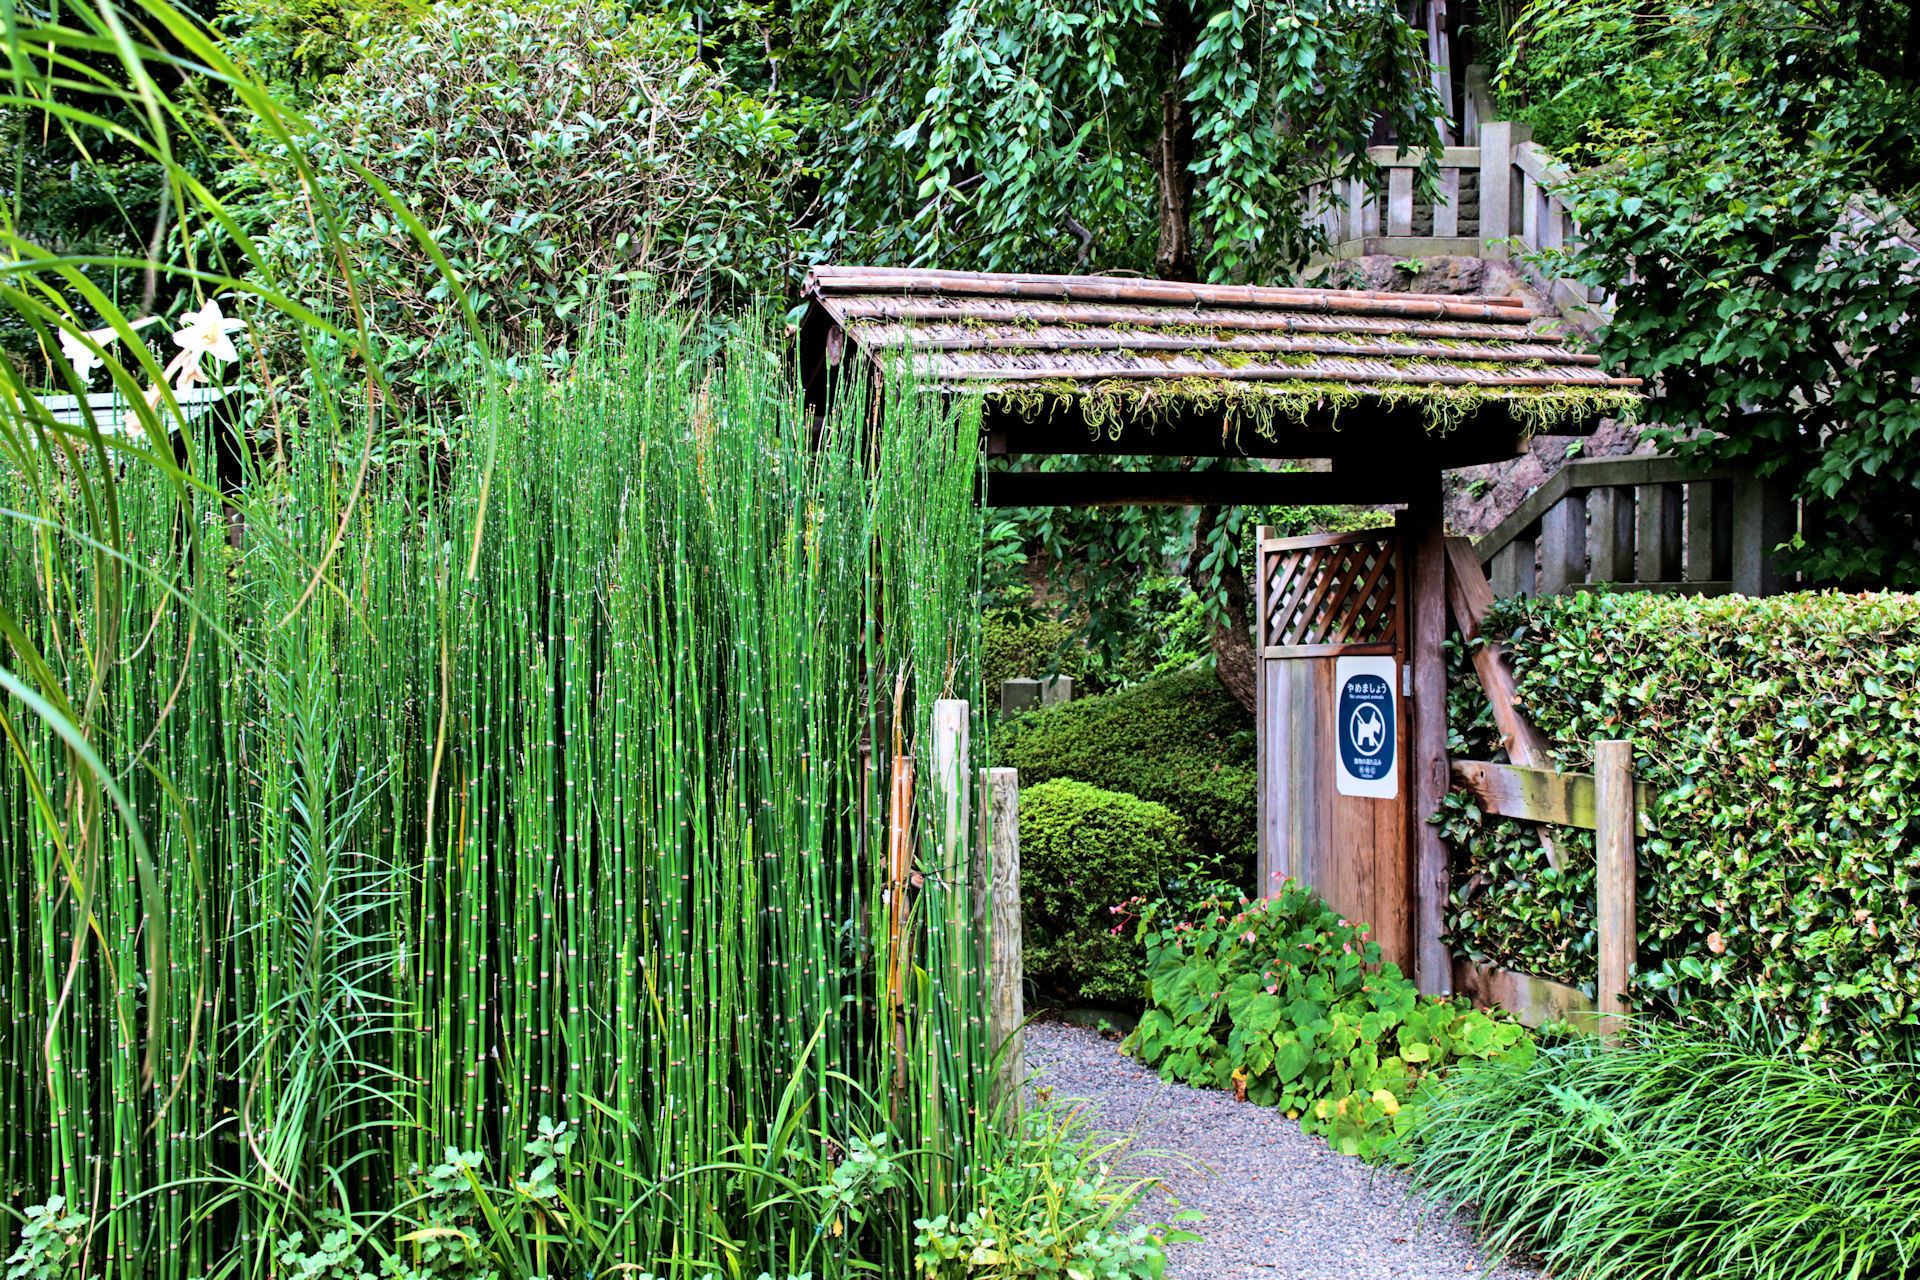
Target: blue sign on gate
column 1364, row 727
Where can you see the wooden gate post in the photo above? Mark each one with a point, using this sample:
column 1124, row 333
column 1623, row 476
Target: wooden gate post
column 1615, row 922
column 1006, row 997
column 1426, row 546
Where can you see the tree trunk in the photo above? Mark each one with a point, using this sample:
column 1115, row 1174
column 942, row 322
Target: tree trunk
column 1172, row 157
column 1233, row 659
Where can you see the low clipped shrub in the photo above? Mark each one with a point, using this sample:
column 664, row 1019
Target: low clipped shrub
column 1289, row 1005
column 1084, row 850
column 1690, row 1152
column 1785, row 865
column 1179, row 740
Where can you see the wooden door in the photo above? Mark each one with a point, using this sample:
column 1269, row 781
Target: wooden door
column 1332, row 621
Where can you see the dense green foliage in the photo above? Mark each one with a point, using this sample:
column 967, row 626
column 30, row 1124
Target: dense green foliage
column 1110, row 569
column 1049, row 134
column 1283, row 1000
column 1012, row 647
column 1052, row 1206
column 1177, row 739
column 1779, row 737
column 1751, row 204
column 504, row 873
column 1083, row 851
column 561, row 155
column 1684, row 1154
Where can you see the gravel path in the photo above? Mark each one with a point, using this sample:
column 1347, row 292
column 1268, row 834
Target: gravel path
column 1278, row 1204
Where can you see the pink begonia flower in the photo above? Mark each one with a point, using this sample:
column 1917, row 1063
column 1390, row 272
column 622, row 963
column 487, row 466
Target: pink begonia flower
column 1247, row 936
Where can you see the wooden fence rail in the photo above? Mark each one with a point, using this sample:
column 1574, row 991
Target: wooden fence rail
column 1607, row 802
column 1643, row 521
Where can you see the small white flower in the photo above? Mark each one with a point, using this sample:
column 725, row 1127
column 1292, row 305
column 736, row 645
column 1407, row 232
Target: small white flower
column 185, row 370
column 129, row 424
column 206, row 334
column 85, row 359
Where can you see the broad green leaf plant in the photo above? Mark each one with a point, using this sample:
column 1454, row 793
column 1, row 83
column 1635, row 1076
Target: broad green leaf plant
column 1289, row 1005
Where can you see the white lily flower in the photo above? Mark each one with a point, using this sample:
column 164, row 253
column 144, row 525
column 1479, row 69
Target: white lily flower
column 84, row 358
column 185, row 370
column 206, row 334
column 130, row 424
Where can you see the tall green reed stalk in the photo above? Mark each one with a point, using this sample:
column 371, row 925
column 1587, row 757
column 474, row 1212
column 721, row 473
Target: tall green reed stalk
column 595, row 835
column 480, row 866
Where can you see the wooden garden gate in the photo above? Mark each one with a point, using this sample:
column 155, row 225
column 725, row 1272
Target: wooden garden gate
column 1335, row 794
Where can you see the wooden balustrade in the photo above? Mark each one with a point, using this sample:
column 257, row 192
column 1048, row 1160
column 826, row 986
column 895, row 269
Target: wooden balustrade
column 1498, row 199
column 1645, row 522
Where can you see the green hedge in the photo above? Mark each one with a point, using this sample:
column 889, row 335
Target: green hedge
column 1011, row 649
column 1783, row 739
column 1084, row 851
column 1178, row 739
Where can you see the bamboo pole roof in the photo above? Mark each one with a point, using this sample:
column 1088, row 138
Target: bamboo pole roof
column 1112, row 350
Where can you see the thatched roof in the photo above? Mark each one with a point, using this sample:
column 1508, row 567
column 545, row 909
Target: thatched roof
column 1119, row 349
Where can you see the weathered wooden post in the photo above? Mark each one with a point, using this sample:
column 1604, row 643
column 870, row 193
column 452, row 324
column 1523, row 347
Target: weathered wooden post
column 1763, row 518
column 1658, row 539
column 1615, row 922
column 1496, row 187
column 951, row 773
column 1006, row 997
column 1563, row 544
column 1424, row 529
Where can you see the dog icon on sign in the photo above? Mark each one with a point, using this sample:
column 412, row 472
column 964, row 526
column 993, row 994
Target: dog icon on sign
column 1368, row 729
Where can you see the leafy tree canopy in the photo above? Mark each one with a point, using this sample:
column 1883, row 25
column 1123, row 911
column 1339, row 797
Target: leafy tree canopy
column 1752, row 201
column 1165, row 136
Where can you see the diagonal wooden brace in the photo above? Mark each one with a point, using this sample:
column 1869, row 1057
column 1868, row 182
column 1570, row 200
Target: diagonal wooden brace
column 1470, row 596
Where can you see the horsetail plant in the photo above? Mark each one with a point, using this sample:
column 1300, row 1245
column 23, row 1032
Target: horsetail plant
column 508, row 885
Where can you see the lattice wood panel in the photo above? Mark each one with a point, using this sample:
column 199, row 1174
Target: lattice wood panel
column 1346, row 590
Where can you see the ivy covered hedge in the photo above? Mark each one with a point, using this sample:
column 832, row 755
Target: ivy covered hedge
column 1782, row 737
column 1179, row 740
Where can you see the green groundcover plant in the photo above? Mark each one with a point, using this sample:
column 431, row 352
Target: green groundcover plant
column 1699, row 1151
column 1290, row 1005
column 1053, row 1204
column 1778, row 735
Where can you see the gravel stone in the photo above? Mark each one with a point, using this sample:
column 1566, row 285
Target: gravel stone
column 1279, row 1205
